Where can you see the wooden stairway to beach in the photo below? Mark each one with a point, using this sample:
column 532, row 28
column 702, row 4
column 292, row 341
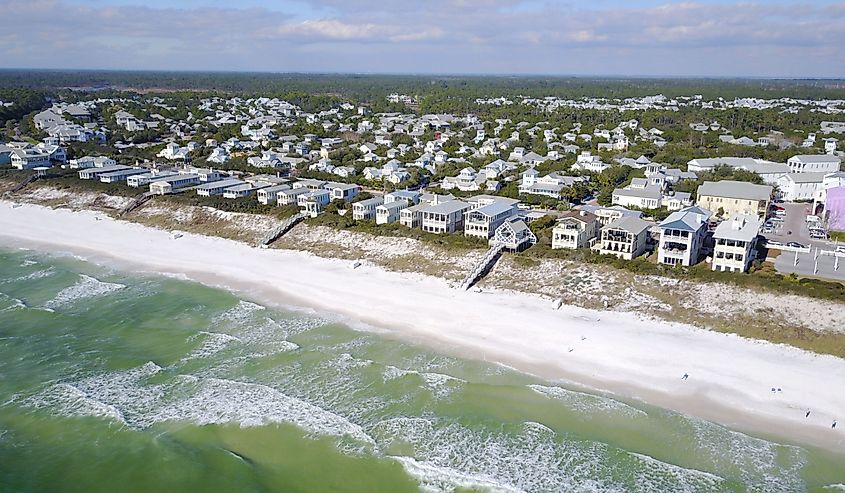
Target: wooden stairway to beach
column 20, row 186
column 136, row 203
column 283, row 228
column 483, row 267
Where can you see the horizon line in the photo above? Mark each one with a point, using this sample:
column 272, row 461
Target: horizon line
column 436, row 74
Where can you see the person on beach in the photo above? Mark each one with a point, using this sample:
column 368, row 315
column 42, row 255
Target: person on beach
column 686, row 376
column 807, row 415
column 834, row 424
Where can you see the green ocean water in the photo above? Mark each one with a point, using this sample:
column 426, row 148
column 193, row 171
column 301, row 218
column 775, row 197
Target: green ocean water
column 120, row 382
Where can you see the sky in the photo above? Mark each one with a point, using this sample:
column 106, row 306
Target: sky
column 714, row 38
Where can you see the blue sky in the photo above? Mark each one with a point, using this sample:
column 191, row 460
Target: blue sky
column 723, row 38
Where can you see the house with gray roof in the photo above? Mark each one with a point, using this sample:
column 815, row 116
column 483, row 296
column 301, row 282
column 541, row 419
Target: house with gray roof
column 484, row 220
column 728, row 197
column 446, row 217
column 682, row 236
column 735, row 243
column 814, row 163
column 626, row 238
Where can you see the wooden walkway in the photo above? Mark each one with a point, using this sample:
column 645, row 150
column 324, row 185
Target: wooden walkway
column 283, row 228
column 483, row 267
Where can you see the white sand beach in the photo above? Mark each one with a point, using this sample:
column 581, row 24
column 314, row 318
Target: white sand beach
column 730, row 378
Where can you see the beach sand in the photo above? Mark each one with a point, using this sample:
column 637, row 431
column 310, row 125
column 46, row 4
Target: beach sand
column 622, row 354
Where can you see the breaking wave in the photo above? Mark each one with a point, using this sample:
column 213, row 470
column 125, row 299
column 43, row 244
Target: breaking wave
column 86, row 287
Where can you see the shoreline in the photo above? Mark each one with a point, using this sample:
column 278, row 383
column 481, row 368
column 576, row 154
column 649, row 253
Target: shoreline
column 624, row 355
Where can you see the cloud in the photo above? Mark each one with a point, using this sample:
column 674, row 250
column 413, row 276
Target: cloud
column 510, row 36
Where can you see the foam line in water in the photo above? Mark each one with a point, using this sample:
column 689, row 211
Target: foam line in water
column 439, row 479
column 74, row 402
column 527, row 457
column 129, row 397
column 86, row 287
column 586, row 403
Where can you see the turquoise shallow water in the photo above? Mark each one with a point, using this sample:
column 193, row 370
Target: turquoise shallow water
column 111, row 381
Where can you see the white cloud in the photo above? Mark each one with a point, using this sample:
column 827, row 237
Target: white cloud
column 440, row 35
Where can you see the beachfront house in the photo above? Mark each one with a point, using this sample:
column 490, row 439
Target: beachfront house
column 30, row 158
column 94, row 173
column 314, row 201
column 144, row 179
column 735, row 243
column 242, row 190
column 365, row 210
column 727, row 197
column 626, row 238
column 483, row 221
column 513, row 235
column 290, row 196
column 217, row 187
column 390, row 212
column 682, row 236
column 411, row 216
column 173, row 183
column 268, row 196
column 575, row 229
column 447, row 217
column 120, row 175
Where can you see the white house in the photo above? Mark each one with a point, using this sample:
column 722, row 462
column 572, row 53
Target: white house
column 342, row 191
column 446, row 217
column 290, row 197
column 390, row 212
column 575, row 229
column 269, row 195
column 120, row 175
column 634, row 195
column 411, row 216
column 814, row 163
column 366, row 209
column 626, row 238
column 682, row 235
column 801, row 186
column 29, row 158
column 218, row 155
column 172, row 183
column 484, row 220
column 735, row 243
column 91, row 162
column 173, row 151
column 217, row 187
column 314, row 201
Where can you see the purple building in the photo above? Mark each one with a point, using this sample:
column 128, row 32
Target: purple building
column 835, row 209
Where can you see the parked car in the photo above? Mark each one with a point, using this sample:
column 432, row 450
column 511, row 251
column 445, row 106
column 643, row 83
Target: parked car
column 777, row 219
column 840, row 249
column 795, row 244
column 780, row 212
column 769, row 224
column 768, row 230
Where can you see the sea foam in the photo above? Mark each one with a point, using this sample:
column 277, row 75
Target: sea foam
column 86, row 287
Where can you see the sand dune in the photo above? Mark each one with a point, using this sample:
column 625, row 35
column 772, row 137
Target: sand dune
column 730, row 378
